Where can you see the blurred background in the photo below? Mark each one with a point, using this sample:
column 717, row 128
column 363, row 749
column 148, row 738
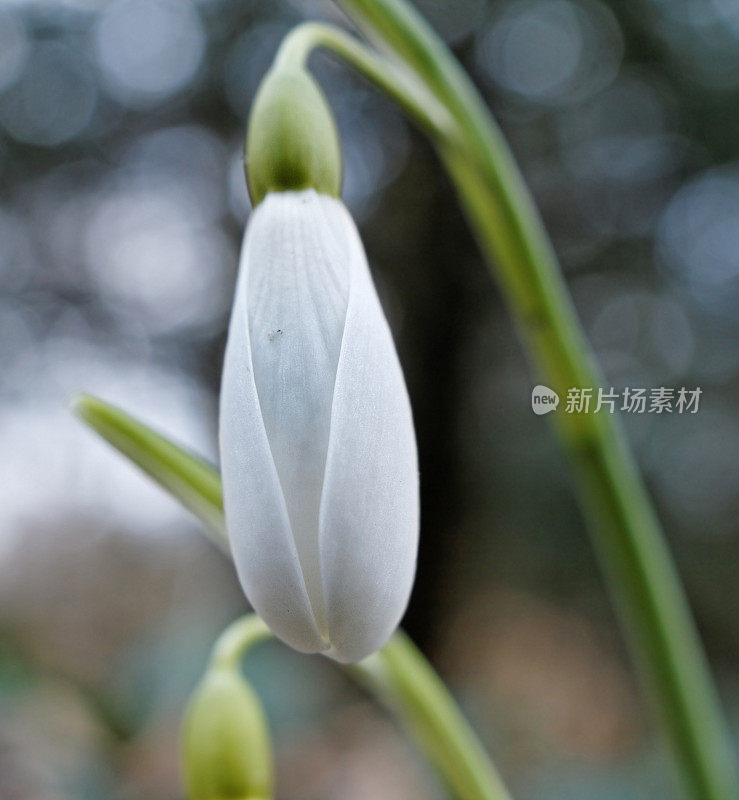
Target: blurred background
column 122, row 204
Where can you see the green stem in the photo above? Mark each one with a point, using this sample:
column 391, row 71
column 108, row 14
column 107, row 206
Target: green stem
column 396, row 80
column 625, row 530
column 401, row 677
column 634, row 556
column 238, row 638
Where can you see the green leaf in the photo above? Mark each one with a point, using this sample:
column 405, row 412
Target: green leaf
column 187, row 477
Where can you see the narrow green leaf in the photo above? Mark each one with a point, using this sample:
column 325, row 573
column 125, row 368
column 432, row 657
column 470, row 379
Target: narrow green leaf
column 187, row 477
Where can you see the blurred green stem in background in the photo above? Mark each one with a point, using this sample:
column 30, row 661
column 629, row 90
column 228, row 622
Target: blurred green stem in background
column 398, row 674
column 187, row 477
column 625, row 530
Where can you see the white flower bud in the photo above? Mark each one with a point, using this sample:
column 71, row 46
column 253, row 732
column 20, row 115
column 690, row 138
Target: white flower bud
column 318, row 452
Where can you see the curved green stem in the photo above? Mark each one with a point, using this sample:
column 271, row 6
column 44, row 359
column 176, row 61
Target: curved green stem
column 623, row 525
column 401, row 677
column 238, row 638
column 394, row 79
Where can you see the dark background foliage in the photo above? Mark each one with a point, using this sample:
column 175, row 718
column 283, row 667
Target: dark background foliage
column 122, row 207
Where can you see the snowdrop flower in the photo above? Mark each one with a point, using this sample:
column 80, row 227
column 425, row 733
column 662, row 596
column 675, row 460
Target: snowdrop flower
column 317, row 445
column 318, row 453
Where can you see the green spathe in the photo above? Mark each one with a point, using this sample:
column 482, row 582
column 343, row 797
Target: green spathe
column 292, row 142
column 225, row 742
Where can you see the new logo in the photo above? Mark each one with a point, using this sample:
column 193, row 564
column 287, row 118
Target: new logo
column 543, row 400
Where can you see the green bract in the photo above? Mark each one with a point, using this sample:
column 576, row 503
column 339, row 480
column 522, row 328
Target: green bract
column 226, row 748
column 292, row 142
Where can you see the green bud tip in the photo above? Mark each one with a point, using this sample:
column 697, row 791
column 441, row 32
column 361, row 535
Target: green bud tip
column 225, row 740
column 291, row 142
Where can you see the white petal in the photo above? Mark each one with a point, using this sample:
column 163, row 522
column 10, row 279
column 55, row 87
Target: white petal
column 318, row 451
column 369, row 514
column 257, row 517
column 298, row 287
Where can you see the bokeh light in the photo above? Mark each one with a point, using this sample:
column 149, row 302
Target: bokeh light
column 705, row 35
column 150, row 253
column 550, row 51
column 149, row 49
column 13, row 47
column 247, row 60
column 698, row 238
column 53, row 100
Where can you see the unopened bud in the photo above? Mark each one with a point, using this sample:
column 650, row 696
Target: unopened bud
column 226, row 746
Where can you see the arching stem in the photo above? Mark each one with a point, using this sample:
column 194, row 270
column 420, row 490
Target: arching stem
column 393, row 79
column 401, row 679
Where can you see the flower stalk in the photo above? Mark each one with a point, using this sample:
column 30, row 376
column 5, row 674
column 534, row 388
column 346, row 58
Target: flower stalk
column 400, row 678
column 391, row 77
column 404, row 681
